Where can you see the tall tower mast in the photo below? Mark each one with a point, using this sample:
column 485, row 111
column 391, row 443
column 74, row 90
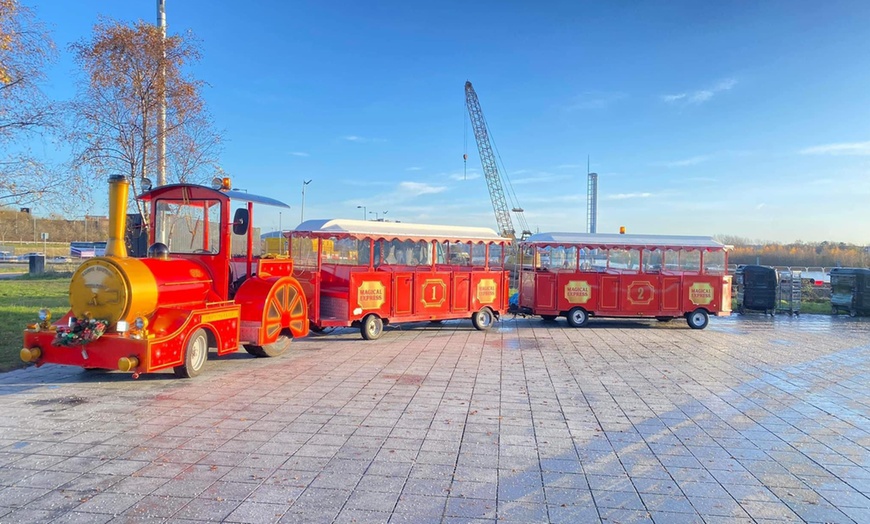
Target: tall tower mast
column 592, row 202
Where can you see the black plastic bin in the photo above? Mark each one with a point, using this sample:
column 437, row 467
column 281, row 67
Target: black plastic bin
column 850, row 290
column 756, row 288
column 36, row 264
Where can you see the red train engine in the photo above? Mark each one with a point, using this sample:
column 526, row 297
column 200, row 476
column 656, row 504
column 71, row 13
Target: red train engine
column 202, row 286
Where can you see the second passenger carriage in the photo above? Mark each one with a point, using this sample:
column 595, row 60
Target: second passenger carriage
column 371, row 273
column 579, row 275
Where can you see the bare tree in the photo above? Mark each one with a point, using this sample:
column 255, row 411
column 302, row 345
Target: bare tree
column 114, row 129
column 25, row 111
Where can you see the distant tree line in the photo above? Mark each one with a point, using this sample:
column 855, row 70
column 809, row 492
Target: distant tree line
column 797, row 254
column 16, row 226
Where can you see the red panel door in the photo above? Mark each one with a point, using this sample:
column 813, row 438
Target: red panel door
column 545, row 291
column 609, row 300
column 461, row 295
column 403, row 293
column 671, row 294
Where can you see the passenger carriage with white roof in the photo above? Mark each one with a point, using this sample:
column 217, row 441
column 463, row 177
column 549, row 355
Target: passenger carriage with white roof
column 579, row 275
column 371, row 273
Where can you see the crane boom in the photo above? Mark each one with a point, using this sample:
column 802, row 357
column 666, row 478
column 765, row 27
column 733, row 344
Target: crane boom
column 490, row 169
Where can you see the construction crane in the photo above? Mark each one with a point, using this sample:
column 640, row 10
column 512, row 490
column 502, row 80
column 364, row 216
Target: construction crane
column 490, row 171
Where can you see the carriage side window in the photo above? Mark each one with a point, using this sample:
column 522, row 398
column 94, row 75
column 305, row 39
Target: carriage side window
column 569, row 258
column 459, row 254
column 628, row 259
column 690, row 261
column 652, row 260
column 342, row 251
column 495, row 256
column 542, row 257
column 422, row 253
column 478, row 254
column 189, row 226
column 528, row 255
column 714, row 262
column 672, row 260
column 303, row 250
column 407, row 253
column 364, row 250
column 591, row 260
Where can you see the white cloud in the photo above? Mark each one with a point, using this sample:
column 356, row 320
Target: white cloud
column 414, row 168
column 463, row 176
column 624, row 196
column 415, row 189
column 843, row 148
column 299, row 153
column 362, row 139
column 686, row 161
column 594, row 100
column 702, row 95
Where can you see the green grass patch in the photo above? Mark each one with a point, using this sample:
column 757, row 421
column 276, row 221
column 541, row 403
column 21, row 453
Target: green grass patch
column 816, row 308
column 20, row 300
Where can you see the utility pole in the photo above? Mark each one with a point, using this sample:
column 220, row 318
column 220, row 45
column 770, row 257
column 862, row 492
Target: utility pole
column 161, row 115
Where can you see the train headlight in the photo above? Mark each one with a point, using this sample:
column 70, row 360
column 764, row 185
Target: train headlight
column 45, row 319
column 139, row 329
column 121, row 326
column 146, row 184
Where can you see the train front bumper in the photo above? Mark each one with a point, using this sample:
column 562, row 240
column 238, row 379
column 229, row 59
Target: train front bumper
column 110, row 351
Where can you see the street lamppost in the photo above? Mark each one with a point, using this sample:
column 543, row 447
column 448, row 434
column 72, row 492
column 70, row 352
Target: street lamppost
column 364, row 211
column 302, row 209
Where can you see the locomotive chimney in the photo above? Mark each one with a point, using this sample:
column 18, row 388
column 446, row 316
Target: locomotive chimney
column 119, row 188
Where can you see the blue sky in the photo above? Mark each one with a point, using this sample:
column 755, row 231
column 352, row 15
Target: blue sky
column 739, row 118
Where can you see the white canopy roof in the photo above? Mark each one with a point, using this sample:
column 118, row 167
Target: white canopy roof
column 599, row 240
column 340, row 227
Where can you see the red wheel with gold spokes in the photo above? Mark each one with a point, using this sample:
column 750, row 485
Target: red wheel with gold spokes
column 284, row 314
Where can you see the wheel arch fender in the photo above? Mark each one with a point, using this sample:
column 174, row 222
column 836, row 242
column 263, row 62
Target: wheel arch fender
column 274, row 300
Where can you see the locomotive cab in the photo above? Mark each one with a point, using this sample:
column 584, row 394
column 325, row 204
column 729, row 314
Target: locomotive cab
column 202, row 286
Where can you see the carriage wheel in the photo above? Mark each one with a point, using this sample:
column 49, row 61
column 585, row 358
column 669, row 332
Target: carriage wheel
column 371, row 327
column 483, row 319
column 285, row 308
column 195, row 355
column 577, row 317
column 698, row 319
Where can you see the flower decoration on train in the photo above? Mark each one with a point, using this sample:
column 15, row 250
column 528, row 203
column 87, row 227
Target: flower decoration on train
column 80, row 331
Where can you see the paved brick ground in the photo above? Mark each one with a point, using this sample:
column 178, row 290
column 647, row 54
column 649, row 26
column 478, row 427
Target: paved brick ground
column 751, row 420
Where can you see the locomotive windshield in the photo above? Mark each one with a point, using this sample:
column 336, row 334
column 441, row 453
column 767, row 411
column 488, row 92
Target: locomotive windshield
column 189, row 226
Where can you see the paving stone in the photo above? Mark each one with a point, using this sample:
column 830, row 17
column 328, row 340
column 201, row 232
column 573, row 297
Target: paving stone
column 257, row 512
column 527, row 422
